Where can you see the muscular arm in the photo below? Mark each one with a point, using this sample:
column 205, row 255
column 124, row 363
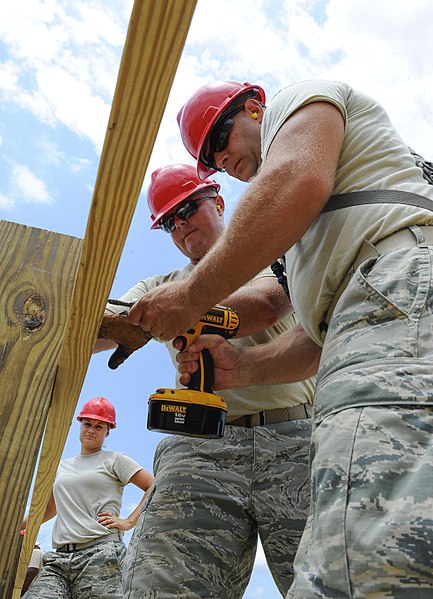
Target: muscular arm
column 278, row 207
column 260, row 305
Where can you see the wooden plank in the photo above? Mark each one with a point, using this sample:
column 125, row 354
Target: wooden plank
column 37, row 275
column 155, row 39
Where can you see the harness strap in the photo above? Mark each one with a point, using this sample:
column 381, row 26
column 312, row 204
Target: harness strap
column 369, row 250
column 279, row 269
column 380, row 196
column 356, row 198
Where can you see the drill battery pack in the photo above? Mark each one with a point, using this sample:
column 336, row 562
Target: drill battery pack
column 187, row 412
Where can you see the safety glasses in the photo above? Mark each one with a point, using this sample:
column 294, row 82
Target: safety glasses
column 218, row 138
column 168, row 223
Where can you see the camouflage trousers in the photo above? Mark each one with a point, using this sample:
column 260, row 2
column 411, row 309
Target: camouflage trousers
column 91, row 573
column 370, row 529
column 197, row 534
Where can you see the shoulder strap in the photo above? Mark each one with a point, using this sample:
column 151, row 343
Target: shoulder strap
column 380, row 196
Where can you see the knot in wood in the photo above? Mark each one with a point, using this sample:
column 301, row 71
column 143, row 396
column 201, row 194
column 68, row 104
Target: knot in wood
column 34, row 312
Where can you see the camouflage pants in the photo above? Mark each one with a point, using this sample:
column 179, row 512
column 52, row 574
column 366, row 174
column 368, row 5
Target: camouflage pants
column 91, row 573
column 197, row 533
column 369, row 533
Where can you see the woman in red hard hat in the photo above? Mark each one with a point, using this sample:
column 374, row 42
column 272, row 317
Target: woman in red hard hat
column 86, row 497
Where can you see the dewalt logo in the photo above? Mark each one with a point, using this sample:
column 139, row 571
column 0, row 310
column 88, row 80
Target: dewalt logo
column 174, row 409
column 213, row 318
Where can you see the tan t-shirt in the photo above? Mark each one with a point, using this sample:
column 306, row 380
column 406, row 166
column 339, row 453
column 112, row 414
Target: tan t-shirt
column 86, row 485
column 373, row 157
column 248, row 400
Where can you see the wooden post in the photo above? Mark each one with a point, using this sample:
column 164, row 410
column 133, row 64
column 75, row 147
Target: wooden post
column 37, row 275
column 156, row 36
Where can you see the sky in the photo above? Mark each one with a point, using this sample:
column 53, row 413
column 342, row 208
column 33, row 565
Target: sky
column 59, row 61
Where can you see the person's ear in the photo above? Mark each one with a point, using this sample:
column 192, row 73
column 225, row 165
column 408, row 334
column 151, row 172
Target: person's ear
column 219, row 203
column 254, row 109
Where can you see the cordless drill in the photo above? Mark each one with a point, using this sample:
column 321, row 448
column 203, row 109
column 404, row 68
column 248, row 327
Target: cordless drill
column 195, row 411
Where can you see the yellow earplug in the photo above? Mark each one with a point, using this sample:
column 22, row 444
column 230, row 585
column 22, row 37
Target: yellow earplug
column 254, row 115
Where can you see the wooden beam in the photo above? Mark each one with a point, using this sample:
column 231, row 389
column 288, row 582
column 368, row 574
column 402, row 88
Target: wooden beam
column 154, row 44
column 37, row 275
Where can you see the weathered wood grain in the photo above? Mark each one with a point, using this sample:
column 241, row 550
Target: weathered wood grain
column 37, row 275
column 156, row 36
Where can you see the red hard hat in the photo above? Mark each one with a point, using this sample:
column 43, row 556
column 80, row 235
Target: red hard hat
column 99, row 408
column 170, row 185
column 197, row 117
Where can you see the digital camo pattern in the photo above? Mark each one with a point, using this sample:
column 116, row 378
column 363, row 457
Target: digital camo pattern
column 370, row 531
column 197, row 533
column 92, row 573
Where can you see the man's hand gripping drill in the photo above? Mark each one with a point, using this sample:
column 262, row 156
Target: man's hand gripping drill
column 195, row 411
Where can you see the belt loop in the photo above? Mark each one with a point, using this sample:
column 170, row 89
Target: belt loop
column 419, row 235
column 262, row 418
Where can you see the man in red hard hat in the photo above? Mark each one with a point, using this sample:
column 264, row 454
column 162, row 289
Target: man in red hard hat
column 334, row 187
column 212, row 498
column 209, row 114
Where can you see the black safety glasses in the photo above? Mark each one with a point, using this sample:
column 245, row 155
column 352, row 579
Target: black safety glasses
column 218, row 138
column 168, row 223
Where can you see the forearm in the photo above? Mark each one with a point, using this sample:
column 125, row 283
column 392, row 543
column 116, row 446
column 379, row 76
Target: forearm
column 264, row 225
column 131, row 520
column 290, row 358
column 143, row 480
column 259, row 305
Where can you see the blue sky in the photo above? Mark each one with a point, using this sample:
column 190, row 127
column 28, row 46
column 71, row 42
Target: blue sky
column 58, row 67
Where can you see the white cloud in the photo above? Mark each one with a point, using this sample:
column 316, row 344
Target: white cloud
column 79, row 164
column 28, row 188
column 67, row 73
column 374, row 45
column 63, row 61
column 64, row 58
column 6, row 203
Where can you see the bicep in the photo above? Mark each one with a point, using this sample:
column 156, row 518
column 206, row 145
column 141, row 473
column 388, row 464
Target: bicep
column 260, row 305
column 142, row 479
column 272, row 291
column 306, row 149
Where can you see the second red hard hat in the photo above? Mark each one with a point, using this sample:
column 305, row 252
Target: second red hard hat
column 99, row 408
column 169, row 186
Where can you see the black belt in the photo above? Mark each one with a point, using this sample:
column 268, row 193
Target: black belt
column 298, row 412
column 71, row 547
